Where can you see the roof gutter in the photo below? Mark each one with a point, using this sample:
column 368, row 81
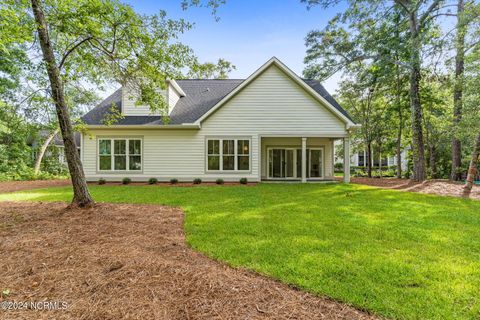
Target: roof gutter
column 146, row 127
column 353, row 126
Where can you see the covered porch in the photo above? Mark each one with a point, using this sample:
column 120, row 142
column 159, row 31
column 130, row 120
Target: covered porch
column 302, row 159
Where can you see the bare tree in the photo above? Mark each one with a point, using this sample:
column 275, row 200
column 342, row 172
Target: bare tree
column 473, row 168
column 43, row 148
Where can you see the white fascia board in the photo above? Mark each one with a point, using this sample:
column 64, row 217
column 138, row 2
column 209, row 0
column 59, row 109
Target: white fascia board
column 146, row 127
column 176, row 87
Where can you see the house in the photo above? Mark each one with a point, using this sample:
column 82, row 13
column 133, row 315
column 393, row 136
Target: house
column 55, row 149
column 359, row 159
column 271, row 126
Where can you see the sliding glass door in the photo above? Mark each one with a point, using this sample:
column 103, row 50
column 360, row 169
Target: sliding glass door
column 281, row 163
column 316, row 163
column 286, row 163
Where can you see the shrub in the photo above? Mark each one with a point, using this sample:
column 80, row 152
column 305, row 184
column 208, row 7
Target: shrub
column 219, row 181
column 152, row 181
column 197, row 181
column 243, row 181
column 173, row 181
column 101, row 181
column 126, row 180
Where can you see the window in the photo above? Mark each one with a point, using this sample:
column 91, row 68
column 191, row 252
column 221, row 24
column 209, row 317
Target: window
column 105, row 154
column 120, row 154
column 213, row 154
column 228, row 154
column 243, row 151
column 361, row 159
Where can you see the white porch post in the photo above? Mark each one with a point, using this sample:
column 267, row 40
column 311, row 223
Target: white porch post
column 346, row 160
column 304, row 160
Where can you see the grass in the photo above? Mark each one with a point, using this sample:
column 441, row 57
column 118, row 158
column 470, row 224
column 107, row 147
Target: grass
column 400, row 255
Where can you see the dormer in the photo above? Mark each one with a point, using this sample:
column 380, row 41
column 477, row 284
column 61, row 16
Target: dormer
column 172, row 94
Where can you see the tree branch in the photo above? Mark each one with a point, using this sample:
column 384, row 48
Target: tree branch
column 427, row 13
column 69, row 51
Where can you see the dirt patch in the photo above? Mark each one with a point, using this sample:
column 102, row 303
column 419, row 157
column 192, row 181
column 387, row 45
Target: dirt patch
column 12, row 186
column 131, row 262
column 439, row 187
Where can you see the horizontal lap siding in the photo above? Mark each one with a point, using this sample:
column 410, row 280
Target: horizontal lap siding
column 129, row 107
column 166, row 154
column 274, row 104
column 271, row 104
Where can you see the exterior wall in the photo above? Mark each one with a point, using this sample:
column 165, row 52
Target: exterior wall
column 272, row 105
column 128, row 104
column 173, row 98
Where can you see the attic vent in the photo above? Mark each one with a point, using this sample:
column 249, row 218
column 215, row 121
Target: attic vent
column 207, row 90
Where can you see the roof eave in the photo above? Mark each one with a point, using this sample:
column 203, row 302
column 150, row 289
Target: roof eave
column 146, row 126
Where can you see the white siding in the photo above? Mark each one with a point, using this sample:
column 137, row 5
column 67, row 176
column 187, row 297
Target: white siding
column 173, row 98
column 129, row 108
column 272, row 104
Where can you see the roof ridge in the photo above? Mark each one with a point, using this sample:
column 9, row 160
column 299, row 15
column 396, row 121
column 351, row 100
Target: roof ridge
column 194, row 79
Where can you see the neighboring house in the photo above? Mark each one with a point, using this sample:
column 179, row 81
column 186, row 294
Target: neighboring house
column 271, row 126
column 359, row 159
column 56, row 147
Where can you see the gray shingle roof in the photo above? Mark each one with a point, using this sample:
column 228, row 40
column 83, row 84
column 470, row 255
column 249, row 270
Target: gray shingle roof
column 201, row 96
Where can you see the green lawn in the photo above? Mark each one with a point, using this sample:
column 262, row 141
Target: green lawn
column 397, row 254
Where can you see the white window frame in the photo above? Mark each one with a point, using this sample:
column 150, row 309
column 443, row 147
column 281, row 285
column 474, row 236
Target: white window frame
column 127, row 154
column 235, row 154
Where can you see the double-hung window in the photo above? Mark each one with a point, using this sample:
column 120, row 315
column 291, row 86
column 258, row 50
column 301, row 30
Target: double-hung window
column 116, row 154
column 228, row 155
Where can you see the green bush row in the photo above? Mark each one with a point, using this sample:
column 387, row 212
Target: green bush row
column 127, row 180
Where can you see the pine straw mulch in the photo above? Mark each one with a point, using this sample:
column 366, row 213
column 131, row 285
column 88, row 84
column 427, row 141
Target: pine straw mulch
column 12, row 186
column 438, row 187
column 131, row 262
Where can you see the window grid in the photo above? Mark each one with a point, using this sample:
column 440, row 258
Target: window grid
column 229, row 148
column 115, row 150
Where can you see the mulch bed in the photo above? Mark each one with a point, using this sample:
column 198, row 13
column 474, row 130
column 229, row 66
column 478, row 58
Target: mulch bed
column 131, row 262
column 438, row 187
column 12, row 186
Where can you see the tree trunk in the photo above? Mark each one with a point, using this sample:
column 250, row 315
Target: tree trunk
column 41, row 152
column 399, row 153
column 433, row 160
column 380, row 162
column 415, row 104
column 400, row 122
column 456, row 173
column 473, row 169
column 369, row 159
column 81, row 195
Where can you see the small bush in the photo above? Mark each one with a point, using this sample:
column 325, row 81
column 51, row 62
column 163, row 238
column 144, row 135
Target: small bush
column 173, row 181
column 197, row 181
column 126, row 180
column 219, row 181
column 243, row 181
column 102, row 181
column 152, row 181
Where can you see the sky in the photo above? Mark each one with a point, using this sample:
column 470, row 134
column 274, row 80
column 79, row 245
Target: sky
column 249, row 32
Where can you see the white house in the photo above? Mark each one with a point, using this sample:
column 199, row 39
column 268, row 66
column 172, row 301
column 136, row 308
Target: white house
column 271, row 126
column 359, row 159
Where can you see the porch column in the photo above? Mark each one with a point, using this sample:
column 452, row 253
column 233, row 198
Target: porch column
column 346, row 160
column 304, row 160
